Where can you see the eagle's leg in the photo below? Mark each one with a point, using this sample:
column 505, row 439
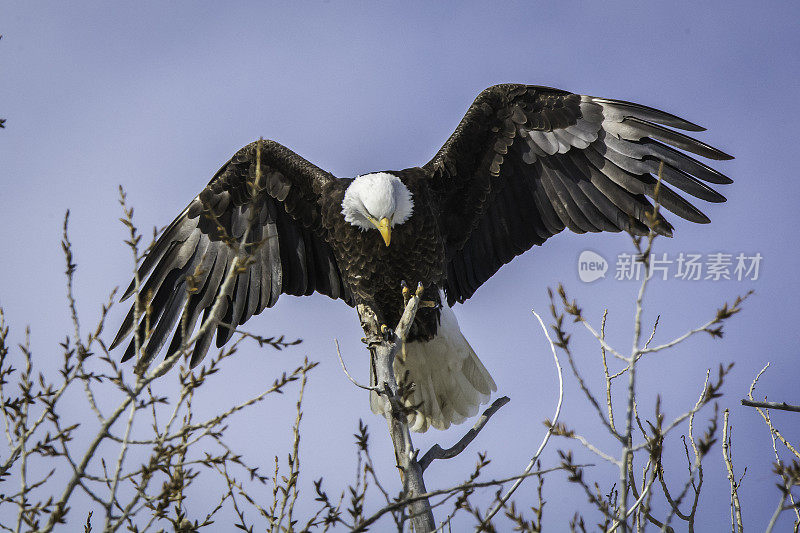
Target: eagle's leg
column 406, row 293
column 420, row 289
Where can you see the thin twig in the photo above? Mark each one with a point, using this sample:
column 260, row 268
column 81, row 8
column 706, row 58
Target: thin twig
column 502, row 500
column 765, row 415
column 346, row 373
column 609, row 402
column 727, row 457
column 776, row 514
column 636, row 504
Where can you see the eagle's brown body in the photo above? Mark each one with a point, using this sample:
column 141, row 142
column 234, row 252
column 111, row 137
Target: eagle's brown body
column 373, row 272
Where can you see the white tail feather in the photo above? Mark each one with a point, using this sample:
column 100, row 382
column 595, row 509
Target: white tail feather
column 449, row 380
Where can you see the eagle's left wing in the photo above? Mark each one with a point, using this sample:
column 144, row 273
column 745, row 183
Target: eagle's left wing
column 526, row 161
column 275, row 213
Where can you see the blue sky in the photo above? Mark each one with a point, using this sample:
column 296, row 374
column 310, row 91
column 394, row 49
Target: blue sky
column 156, row 97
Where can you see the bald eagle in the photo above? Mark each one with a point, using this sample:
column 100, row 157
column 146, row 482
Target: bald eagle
column 524, row 163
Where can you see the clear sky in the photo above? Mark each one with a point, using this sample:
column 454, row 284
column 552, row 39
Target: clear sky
column 156, row 96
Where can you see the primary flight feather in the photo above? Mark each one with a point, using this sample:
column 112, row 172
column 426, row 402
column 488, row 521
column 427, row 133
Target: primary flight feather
column 524, row 163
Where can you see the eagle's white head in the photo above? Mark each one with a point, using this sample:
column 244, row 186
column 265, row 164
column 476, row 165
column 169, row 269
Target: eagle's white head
column 377, row 201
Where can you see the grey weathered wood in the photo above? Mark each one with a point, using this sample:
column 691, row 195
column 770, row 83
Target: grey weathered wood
column 384, row 348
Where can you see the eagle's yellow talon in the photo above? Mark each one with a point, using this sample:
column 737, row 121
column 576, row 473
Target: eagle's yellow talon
column 386, row 332
column 406, row 293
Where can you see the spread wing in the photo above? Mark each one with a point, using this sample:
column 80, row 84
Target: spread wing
column 526, row 161
column 183, row 273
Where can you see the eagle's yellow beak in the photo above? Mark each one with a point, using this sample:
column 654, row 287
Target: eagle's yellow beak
column 386, row 230
column 384, row 226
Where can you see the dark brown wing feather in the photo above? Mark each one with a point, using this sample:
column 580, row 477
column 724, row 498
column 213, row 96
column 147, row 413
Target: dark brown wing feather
column 526, row 161
column 183, row 273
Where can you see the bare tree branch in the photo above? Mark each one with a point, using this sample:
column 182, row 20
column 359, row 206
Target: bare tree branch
column 783, row 406
column 437, row 452
column 384, row 352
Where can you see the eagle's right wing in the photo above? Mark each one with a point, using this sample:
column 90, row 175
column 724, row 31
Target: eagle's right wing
column 183, row 273
column 526, row 161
